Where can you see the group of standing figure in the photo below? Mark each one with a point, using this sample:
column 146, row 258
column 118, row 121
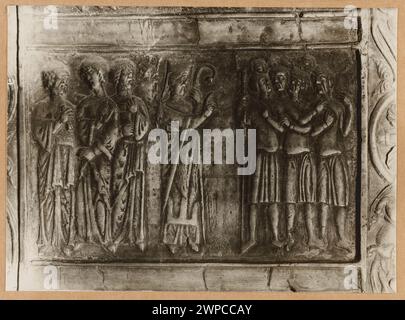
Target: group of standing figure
column 91, row 159
column 300, row 125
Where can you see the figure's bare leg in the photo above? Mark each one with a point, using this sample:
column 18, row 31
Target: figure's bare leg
column 252, row 229
column 324, row 222
column 291, row 208
column 340, row 228
column 313, row 242
column 274, row 221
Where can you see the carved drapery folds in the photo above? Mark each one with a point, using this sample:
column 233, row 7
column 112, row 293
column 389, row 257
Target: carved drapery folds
column 93, row 99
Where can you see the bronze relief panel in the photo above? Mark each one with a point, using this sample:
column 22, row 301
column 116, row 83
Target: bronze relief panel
column 96, row 185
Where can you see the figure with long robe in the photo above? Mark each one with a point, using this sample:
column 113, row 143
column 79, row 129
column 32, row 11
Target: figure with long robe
column 53, row 129
column 97, row 133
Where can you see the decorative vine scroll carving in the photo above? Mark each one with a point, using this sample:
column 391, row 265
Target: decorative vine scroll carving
column 382, row 144
column 382, row 148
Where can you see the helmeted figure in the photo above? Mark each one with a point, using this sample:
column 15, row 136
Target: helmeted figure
column 128, row 164
column 183, row 198
column 97, row 133
column 53, row 130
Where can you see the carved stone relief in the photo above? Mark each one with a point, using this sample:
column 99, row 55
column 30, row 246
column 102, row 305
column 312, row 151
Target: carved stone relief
column 89, row 111
column 381, row 248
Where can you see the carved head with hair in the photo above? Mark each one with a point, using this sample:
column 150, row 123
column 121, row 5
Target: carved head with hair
column 205, row 75
column 55, row 81
column 122, row 75
column 280, row 74
column 203, row 82
column 92, row 71
column 259, row 65
column 299, row 83
column 322, row 79
column 307, row 62
column 281, row 77
column 178, row 83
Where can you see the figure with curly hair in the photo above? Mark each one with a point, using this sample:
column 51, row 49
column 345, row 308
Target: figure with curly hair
column 54, row 132
column 97, row 133
column 128, row 165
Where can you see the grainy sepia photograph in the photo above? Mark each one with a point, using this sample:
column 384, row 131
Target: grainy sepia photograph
column 201, row 149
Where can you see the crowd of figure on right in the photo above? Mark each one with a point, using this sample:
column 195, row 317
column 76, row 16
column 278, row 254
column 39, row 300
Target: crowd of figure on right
column 301, row 124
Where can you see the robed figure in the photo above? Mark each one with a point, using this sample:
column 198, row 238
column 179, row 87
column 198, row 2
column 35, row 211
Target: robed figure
column 54, row 133
column 128, row 165
column 97, row 133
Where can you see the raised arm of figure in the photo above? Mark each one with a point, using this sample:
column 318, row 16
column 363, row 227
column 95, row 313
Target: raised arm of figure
column 308, row 117
column 300, row 129
column 110, row 132
column 277, row 126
